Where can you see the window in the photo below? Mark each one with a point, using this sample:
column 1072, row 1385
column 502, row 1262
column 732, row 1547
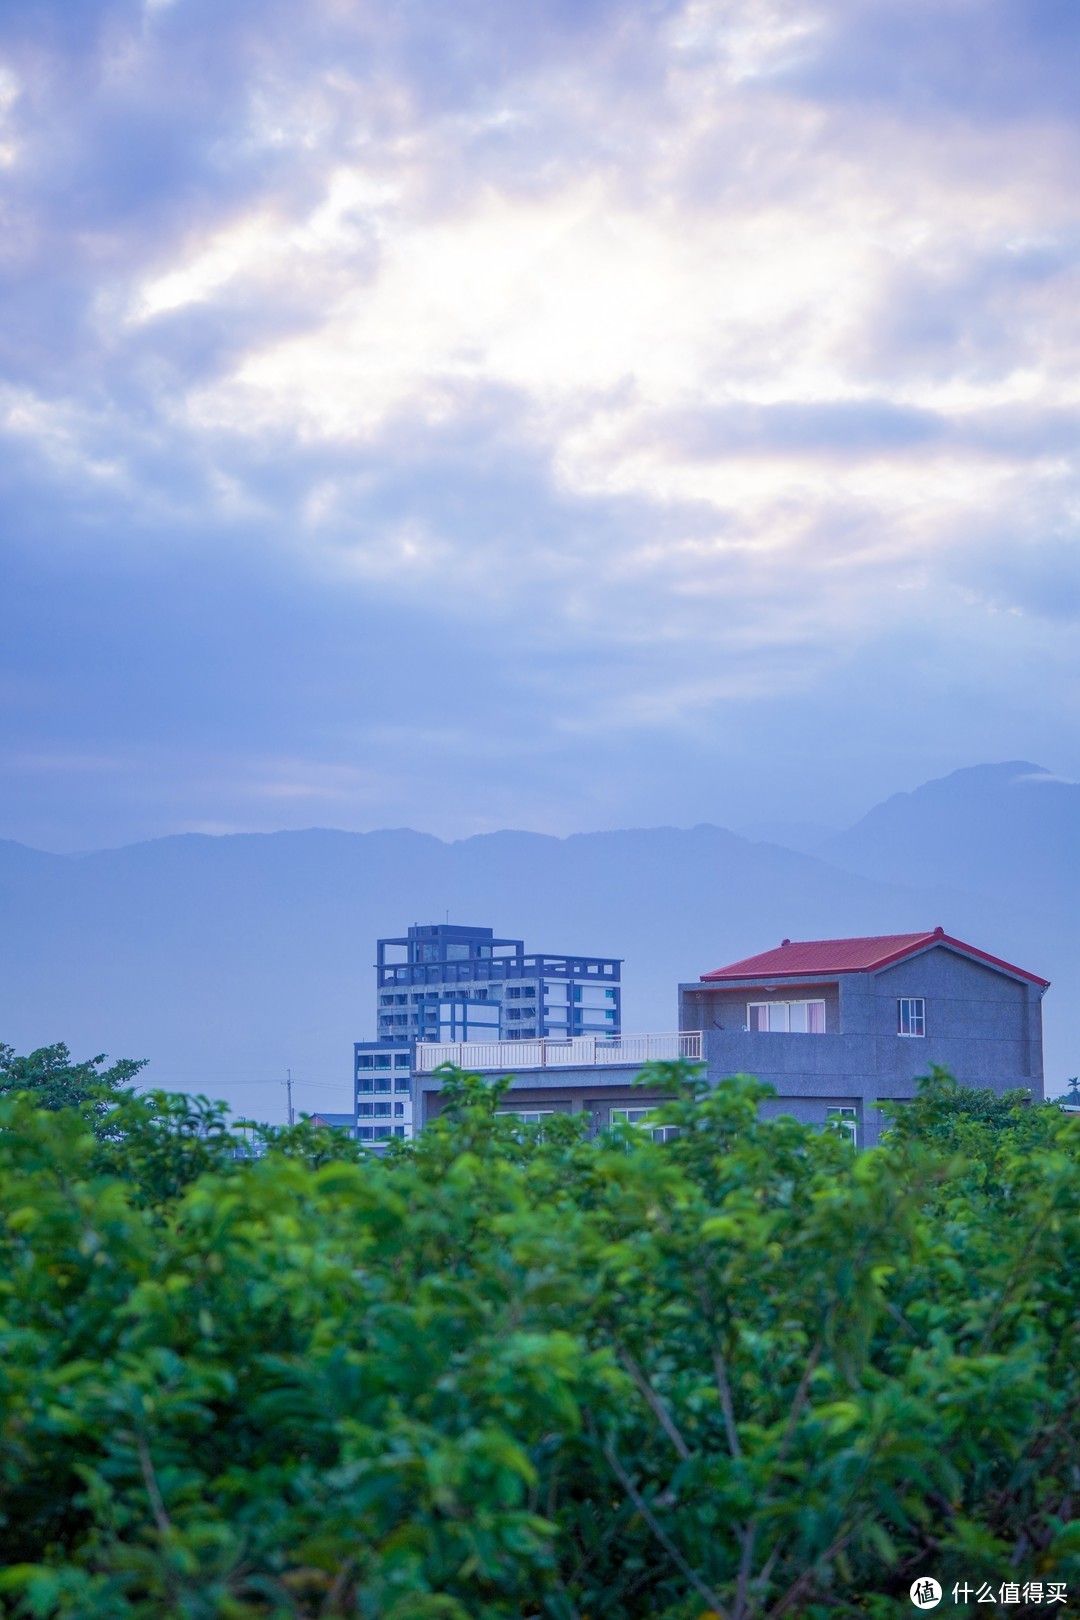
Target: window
column 641, row 1116
column 382, row 1060
column 382, row 1110
column 527, row 1116
column 365, row 1133
column 401, row 1060
column 399, row 1110
column 364, row 1110
column 382, row 1082
column 364, row 1083
column 401, row 1082
column 364, row 1061
column 382, row 1132
column 846, row 1121
column 911, row 1015
column 399, row 1130
column 513, row 990
column 786, row 1017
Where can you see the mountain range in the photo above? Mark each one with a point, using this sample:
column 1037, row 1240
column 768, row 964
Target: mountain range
column 227, row 960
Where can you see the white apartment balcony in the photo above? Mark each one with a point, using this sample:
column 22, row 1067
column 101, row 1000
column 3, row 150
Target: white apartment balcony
column 581, row 1052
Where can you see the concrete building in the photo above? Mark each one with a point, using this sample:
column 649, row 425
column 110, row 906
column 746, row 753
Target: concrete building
column 444, row 982
column 838, row 1025
column 590, row 1075
column 442, row 987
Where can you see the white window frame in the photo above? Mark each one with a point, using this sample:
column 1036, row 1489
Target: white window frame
column 911, row 1010
column 754, row 1006
column 846, row 1121
column 639, row 1118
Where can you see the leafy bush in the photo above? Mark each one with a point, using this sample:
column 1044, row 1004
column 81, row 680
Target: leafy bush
column 508, row 1372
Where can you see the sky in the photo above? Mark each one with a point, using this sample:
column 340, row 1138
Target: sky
column 561, row 415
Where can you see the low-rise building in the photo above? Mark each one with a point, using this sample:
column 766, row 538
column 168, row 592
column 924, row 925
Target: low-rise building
column 839, row 1025
column 591, row 1075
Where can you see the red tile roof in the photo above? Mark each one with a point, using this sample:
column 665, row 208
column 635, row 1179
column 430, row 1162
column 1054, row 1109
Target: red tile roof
column 795, row 958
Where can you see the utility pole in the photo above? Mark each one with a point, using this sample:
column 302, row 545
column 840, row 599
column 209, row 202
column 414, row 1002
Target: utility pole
column 288, row 1092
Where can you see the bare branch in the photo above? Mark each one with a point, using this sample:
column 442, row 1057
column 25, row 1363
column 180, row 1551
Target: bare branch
column 656, row 1405
column 704, row 1592
column 153, row 1490
column 726, row 1405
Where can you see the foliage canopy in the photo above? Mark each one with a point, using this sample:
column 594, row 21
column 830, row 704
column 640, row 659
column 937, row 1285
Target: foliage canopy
column 503, row 1372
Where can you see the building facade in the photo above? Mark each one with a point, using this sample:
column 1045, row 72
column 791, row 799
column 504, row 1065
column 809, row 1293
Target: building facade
column 838, row 1026
column 443, row 982
column 442, row 985
column 591, row 1075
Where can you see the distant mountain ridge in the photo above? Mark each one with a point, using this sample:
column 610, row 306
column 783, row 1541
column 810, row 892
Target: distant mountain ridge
column 226, row 959
column 1010, row 830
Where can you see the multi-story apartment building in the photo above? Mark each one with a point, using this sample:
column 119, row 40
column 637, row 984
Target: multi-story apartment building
column 442, row 984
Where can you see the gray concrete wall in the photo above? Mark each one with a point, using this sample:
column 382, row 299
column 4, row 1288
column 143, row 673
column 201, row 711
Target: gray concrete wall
column 981, row 1024
column 592, row 1090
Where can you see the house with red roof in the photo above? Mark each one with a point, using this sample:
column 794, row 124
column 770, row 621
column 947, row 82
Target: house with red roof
column 839, row 1025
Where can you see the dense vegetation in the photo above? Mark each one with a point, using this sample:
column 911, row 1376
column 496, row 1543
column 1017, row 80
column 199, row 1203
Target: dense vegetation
column 743, row 1372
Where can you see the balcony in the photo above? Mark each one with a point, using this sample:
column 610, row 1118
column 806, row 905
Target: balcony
column 581, row 1052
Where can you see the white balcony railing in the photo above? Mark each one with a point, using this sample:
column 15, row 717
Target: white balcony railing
column 583, row 1051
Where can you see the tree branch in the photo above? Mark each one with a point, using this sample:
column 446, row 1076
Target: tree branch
column 726, row 1405
column 704, row 1592
column 656, row 1405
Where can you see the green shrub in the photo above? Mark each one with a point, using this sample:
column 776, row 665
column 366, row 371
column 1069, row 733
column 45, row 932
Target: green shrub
column 508, row 1372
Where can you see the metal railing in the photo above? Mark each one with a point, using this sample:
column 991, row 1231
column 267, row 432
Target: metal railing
column 582, row 1051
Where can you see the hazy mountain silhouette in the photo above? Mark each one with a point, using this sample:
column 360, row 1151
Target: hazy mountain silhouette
column 225, row 959
column 1009, row 830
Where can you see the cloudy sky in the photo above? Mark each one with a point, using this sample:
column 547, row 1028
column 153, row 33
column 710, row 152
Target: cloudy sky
column 561, row 414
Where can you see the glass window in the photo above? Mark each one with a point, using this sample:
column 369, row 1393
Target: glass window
column 641, row 1117
column 382, row 1110
column 364, row 1061
column 401, row 1083
column 366, row 1133
column 364, row 1083
column 846, row 1121
column 382, row 1132
column 382, row 1082
column 399, row 1130
column 401, row 1060
column 786, row 1017
column 911, row 1016
column 382, row 1060
column 399, row 1110
column 364, row 1110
